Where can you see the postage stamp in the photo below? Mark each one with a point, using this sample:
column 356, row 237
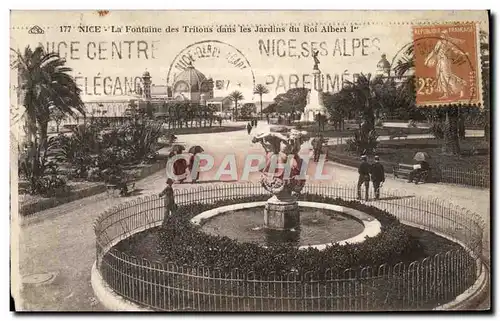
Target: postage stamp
column 447, row 64
column 250, row 161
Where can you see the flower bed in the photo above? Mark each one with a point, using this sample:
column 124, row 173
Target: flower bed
column 30, row 204
column 182, row 242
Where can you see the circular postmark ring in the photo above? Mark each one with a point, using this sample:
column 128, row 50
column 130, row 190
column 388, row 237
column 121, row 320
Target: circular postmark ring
column 192, row 53
column 467, row 60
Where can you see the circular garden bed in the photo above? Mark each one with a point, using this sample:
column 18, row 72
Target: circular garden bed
column 179, row 266
column 183, row 243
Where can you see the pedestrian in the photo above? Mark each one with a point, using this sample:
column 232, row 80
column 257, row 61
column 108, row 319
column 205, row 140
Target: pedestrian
column 364, row 176
column 267, row 118
column 378, row 176
column 169, row 202
column 249, row 128
column 191, row 166
column 220, row 121
column 180, row 167
column 418, row 171
column 317, row 147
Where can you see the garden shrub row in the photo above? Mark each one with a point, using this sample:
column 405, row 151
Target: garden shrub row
column 182, row 242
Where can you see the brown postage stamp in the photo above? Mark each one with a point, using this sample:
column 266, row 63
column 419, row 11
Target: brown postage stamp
column 446, row 64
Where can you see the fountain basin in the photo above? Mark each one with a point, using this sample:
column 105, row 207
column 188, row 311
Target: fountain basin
column 371, row 226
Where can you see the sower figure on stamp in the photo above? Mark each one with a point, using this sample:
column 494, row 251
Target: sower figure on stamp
column 447, row 82
column 169, row 205
column 378, row 177
column 364, row 176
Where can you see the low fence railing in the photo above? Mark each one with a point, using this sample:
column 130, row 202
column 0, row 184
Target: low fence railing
column 465, row 177
column 417, row 285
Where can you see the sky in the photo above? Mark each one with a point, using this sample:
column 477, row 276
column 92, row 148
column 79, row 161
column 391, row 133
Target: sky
column 237, row 49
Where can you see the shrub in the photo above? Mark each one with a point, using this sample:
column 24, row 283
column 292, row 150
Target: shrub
column 437, row 129
column 37, row 165
column 52, row 185
column 363, row 142
column 182, row 242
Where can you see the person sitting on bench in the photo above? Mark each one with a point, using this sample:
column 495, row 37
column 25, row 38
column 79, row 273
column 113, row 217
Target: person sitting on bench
column 418, row 171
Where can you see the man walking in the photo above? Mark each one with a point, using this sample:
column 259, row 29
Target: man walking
column 169, row 205
column 378, row 176
column 317, row 144
column 364, row 176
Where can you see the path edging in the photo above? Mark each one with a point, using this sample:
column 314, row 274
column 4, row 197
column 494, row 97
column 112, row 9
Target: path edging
column 47, row 203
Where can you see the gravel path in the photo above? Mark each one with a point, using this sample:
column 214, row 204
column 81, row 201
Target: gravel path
column 61, row 239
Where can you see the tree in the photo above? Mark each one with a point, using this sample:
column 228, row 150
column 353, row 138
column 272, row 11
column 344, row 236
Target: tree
column 260, row 90
column 57, row 116
column 366, row 93
column 271, row 108
column 338, row 106
column 294, row 100
column 485, row 70
column 45, row 84
column 236, row 96
column 247, row 110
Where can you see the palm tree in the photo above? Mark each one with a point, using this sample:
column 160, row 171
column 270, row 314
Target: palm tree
column 366, row 95
column 45, row 84
column 260, row 90
column 236, row 96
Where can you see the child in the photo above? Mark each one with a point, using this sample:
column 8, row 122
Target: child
column 170, row 205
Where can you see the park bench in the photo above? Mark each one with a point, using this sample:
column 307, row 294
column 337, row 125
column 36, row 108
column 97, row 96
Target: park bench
column 404, row 170
column 398, row 134
column 125, row 185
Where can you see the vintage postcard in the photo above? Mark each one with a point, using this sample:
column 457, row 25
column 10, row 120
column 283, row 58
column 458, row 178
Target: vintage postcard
column 250, row 160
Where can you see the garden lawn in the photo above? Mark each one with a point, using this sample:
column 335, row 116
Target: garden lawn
column 381, row 131
column 203, row 130
column 475, row 153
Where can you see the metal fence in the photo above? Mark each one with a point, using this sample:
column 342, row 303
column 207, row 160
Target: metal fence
column 465, row 177
column 417, row 285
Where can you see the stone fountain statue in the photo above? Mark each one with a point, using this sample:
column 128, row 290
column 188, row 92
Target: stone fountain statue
column 281, row 176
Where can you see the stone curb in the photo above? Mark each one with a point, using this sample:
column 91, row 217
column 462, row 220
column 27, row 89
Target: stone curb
column 472, row 296
column 109, row 298
column 372, row 226
column 46, row 203
column 475, row 293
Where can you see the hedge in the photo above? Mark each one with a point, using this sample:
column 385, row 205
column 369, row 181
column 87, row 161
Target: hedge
column 182, row 242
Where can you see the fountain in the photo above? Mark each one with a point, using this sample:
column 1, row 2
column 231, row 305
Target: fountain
column 281, row 176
